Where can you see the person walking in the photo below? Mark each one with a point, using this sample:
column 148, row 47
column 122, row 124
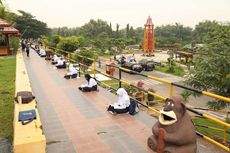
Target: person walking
column 23, row 45
column 28, row 50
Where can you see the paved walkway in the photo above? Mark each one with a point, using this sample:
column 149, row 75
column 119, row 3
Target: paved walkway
column 78, row 122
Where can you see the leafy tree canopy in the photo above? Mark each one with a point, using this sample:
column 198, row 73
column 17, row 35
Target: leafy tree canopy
column 86, row 54
column 170, row 35
column 70, row 43
column 212, row 65
column 29, row 26
column 202, row 28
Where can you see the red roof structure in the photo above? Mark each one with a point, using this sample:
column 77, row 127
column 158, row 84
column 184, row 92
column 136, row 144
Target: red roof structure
column 5, row 30
column 10, row 30
column 3, row 23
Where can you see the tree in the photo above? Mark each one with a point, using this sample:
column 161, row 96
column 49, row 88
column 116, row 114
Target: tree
column 55, row 40
column 6, row 15
column 93, row 28
column 102, row 41
column 170, row 35
column 69, row 44
column 212, row 65
column 202, row 29
column 127, row 30
column 29, row 26
column 117, row 30
column 46, row 40
column 86, row 54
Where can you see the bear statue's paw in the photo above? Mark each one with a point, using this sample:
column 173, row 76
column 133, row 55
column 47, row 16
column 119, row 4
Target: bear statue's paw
column 152, row 143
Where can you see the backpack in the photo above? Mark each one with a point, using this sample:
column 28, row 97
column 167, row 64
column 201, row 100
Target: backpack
column 27, row 116
column 133, row 107
column 27, row 96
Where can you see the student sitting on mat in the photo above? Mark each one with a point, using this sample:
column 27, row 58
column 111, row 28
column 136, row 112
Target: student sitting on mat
column 55, row 59
column 90, row 86
column 61, row 64
column 122, row 105
column 72, row 72
column 42, row 53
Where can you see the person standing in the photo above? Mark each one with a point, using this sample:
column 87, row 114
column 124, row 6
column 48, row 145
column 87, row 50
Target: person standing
column 23, row 45
column 28, row 50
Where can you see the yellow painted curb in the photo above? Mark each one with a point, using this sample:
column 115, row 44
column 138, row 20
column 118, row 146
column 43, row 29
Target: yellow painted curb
column 28, row 138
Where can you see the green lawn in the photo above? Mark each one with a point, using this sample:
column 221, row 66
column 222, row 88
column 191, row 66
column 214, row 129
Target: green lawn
column 207, row 131
column 175, row 70
column 7, row 90
column 113, row 83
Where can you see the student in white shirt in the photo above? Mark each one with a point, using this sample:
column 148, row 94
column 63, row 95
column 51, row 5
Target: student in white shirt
column 42, row 53
column 122, row 105
column 61, row 63
column 90, row 86
column 55, row 59
column 72, row 72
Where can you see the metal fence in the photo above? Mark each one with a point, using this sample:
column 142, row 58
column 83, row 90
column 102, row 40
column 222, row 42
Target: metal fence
column 171, row 91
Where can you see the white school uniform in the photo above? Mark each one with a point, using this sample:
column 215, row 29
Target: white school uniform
column 90, row 84
column 123, row 99
column 72, row 70
column 55, row 58
column 42, row 52
column 60, row 62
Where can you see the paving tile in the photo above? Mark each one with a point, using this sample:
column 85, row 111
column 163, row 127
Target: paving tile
column 116, row 146
column 83, row 105
column 114, row 136
column 146, row 119
column 60, row 147
column 49, row 118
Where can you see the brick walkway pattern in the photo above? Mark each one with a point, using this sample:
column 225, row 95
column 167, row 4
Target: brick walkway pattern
column 78, row 122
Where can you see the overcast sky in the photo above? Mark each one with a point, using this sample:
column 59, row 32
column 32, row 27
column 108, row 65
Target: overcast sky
column 72, row 13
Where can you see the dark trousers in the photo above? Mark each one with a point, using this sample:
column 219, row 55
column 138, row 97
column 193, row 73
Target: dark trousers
column 61, row 66
column 53, row 62
column 118, row 111
column 88, row 89
column 70, row 76
column 28, row 53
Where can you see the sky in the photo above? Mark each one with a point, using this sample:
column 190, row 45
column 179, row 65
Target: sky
column 75, row 13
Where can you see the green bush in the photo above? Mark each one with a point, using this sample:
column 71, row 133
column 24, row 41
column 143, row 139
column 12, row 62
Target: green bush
column 14, row 43
column 70, row 44
column 86, row 54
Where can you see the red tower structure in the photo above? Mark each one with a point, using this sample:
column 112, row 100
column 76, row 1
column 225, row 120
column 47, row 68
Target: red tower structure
column 148, row 43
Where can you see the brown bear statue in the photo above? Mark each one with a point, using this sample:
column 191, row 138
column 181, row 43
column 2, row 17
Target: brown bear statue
column 174, row 131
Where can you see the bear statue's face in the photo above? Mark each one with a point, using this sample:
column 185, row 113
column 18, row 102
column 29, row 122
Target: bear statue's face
column 172, row 112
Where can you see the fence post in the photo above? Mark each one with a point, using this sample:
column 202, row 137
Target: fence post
column 119, row 77
column 94, row 68
column 79, row 65
column 69, row 57
column 171, row 89
column 225, row 134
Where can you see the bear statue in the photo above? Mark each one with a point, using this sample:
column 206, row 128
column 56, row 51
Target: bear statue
column 174, row 131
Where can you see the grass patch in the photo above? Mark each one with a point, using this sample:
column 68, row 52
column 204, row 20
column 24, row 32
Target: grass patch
column 7, row 91
column 175, row 70
column 107, row 56
column 207, row 131
column 113, row 83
